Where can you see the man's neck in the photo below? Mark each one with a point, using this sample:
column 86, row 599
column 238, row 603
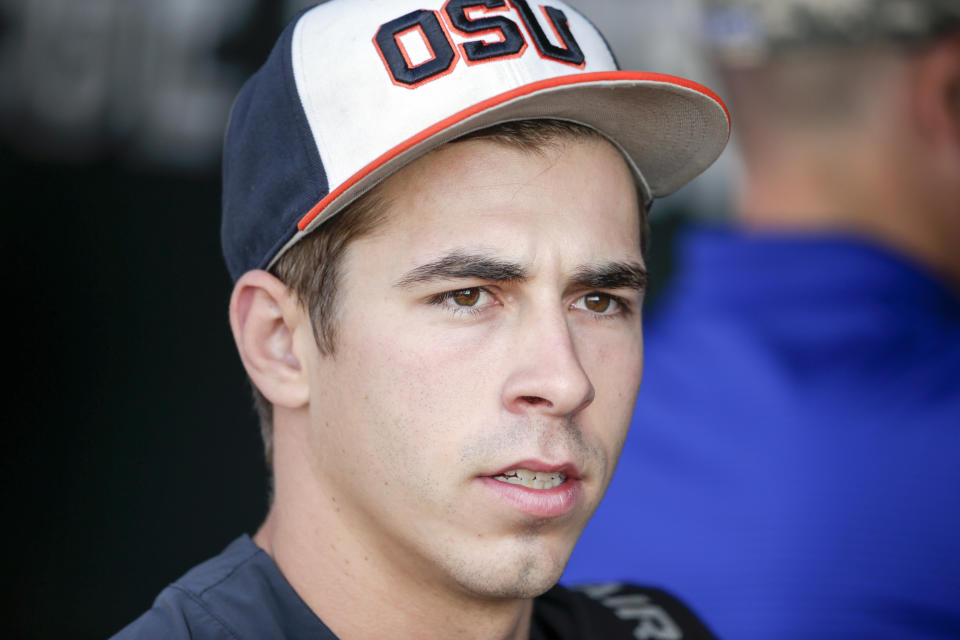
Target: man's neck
column 361, row 591
column 853, row 193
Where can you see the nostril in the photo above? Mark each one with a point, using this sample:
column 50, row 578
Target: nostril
column 535, row 400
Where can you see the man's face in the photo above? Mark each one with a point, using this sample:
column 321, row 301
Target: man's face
column 489, row 332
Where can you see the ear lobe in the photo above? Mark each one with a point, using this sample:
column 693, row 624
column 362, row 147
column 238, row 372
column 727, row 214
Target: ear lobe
column 953, row 104
column 263, row 317
column 938, row 91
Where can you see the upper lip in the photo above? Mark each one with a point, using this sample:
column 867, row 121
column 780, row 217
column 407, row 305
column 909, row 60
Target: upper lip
column 568, row 469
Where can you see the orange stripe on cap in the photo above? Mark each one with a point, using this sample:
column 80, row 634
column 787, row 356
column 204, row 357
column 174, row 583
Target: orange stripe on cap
column 533, row 87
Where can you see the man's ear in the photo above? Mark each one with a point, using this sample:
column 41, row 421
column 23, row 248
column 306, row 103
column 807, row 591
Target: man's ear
column 937, row 85
column 264, row 315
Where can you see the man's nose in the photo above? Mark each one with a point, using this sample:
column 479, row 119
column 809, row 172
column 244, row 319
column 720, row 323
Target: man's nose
column 546, row 375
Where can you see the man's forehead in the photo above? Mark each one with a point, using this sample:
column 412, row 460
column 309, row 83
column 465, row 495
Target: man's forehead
column 470, row 170
column 501, row 185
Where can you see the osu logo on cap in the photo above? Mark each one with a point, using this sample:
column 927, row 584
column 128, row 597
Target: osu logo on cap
column 427, row 33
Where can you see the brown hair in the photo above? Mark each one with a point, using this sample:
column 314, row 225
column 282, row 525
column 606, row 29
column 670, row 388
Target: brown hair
column 312, row 267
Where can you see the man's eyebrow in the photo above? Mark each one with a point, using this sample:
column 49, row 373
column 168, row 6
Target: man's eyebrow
column 464, row 264
column 612, row 275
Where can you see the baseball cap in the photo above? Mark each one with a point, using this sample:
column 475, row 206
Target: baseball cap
column 744, row 32
column 355, row 89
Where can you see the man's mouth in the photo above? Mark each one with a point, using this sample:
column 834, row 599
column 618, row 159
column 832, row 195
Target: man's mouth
column 537, row 488
column 533, row 479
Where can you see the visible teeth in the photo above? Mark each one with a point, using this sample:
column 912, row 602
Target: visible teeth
column 533, row 479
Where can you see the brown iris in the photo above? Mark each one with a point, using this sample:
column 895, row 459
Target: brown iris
column 466, row 297
column 597, row 302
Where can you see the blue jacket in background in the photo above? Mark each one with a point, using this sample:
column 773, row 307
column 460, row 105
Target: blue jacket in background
column 793, row 467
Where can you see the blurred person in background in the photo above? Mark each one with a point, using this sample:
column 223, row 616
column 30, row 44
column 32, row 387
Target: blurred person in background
column 792, row 468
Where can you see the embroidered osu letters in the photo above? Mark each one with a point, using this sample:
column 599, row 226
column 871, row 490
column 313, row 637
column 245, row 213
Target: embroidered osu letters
column 434, row 55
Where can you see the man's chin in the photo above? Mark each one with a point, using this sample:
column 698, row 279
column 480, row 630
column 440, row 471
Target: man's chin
column 526, row 577
column 522, row 589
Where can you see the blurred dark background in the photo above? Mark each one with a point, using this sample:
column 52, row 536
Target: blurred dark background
column 132, row 451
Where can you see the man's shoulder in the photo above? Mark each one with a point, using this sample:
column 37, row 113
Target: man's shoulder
column 183, row 608
column 613, row 610
column 238, row 594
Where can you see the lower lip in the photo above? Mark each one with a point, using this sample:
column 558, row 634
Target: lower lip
column 541, row 503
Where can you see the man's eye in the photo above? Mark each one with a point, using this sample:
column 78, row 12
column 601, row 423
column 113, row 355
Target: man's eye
column 465, row 297
column 471, row 300
column 600, row 303
column 597, row 302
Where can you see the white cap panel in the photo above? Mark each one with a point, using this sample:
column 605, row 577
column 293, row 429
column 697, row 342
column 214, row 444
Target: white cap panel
column 353, row 128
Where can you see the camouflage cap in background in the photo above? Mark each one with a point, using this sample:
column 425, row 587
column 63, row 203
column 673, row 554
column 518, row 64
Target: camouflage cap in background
column 749, row 31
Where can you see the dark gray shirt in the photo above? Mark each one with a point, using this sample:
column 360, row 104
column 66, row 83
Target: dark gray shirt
column 241, row 594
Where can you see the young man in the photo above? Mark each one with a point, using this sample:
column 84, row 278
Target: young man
column 434, row 221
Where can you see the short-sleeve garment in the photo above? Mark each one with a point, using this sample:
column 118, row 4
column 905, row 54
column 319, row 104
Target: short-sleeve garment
column 241, row 594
